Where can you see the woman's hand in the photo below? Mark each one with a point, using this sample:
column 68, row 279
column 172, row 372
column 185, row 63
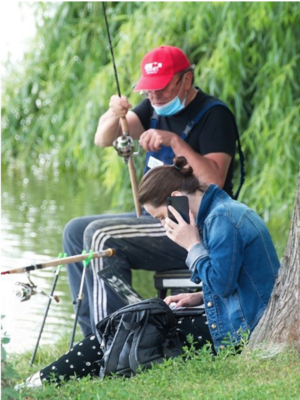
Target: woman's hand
column 185, row 299
column 184, row 234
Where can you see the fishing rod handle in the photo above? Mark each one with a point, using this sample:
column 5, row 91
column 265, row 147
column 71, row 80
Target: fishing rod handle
column 79, row 257
column 124, row 126
column 132, row 173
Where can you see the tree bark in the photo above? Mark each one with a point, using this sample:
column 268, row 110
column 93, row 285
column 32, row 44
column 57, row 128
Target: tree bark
column 280, row 324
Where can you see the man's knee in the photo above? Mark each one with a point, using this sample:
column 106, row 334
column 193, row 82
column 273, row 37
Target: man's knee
column 74, row 230
column 106, row 228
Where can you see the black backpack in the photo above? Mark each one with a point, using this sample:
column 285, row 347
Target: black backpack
column 137, row 335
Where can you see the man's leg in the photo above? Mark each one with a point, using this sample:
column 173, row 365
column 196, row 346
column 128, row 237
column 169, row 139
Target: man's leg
column 140, row 243
column 73, row 245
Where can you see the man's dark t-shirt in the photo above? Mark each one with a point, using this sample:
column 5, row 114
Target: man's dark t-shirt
column 216, row 132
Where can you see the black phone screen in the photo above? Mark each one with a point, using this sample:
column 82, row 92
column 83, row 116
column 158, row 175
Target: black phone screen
column 181, row 204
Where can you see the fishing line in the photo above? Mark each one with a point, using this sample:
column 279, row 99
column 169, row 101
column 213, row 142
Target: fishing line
column 111, row 50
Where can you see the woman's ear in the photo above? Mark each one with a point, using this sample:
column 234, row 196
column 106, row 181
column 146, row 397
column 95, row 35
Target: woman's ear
column 176, row 193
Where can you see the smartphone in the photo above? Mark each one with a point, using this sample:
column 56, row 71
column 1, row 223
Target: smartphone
column 181, row 204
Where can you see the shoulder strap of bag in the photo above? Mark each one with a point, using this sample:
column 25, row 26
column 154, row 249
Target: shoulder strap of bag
column 134, row 361
column 115, row 348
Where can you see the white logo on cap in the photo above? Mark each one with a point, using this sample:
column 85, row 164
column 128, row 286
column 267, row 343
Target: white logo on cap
column 152, row 68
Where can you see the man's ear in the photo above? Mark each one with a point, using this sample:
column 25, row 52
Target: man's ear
column 188, row 80
column 176, row 193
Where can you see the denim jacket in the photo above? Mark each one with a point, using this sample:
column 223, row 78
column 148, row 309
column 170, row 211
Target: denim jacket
column 236, row 262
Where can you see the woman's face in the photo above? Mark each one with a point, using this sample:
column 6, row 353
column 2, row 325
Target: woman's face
column 160, row 212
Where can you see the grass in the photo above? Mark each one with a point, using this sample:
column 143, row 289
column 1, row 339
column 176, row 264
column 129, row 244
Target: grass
column 250, row 376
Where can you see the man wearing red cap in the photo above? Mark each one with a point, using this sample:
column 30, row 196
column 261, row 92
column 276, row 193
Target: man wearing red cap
column 175, row 118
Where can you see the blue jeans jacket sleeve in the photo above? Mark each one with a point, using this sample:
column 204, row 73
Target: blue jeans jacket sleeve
column 219, row 265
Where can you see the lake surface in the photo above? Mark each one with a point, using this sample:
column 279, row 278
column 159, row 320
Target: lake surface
column 35, row 207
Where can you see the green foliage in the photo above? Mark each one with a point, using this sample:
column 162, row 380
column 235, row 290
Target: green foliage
column 8, row 372
column 246, row 53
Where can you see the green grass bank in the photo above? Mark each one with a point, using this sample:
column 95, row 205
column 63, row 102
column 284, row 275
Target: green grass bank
column 251, row 376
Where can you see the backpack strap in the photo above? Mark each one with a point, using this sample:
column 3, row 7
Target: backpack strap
column 195, row 120
column 153, row 120
column 151, row 346
column 134, row 361
column 112, row 358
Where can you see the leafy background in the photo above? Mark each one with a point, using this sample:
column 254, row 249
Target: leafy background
column 246, row 53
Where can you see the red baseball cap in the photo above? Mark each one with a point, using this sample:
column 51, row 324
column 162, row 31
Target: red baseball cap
column 159, row 66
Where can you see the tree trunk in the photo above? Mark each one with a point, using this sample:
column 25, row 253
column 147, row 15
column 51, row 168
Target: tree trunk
column 280, row 323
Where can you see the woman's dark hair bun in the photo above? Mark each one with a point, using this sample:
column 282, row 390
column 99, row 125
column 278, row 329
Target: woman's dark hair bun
column 181, row 164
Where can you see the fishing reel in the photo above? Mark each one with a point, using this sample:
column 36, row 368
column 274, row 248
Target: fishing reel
column 125, row 147
column 26, row 290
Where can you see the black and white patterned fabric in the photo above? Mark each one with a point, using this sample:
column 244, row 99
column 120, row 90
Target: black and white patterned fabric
column 76, row 363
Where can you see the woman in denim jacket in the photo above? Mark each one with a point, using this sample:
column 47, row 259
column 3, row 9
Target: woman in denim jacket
column 229, row 249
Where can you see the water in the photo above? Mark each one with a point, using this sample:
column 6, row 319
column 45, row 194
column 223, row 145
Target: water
column 36, row 205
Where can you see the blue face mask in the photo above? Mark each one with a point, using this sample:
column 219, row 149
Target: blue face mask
column 171, row 108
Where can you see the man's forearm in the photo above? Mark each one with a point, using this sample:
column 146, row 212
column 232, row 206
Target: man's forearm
column 211, row 168
column 108, row 129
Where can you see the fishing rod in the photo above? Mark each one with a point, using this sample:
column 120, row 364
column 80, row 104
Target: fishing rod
column 58, row 261
column 124, row 144
column 26, row 290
